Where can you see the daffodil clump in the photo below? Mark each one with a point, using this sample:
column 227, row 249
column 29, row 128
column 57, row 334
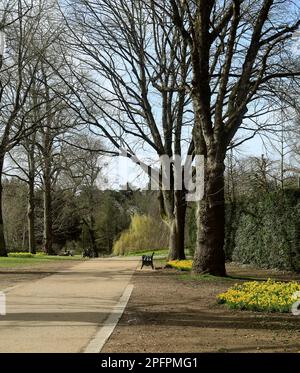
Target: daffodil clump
column 269, row 296
column 183, row 265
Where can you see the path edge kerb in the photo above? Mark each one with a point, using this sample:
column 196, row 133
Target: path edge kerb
column 103, row 334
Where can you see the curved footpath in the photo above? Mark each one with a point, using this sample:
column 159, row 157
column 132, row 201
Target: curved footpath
column 73, row 310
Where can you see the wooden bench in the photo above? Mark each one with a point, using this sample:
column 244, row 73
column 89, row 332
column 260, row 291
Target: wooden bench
column 147, row 260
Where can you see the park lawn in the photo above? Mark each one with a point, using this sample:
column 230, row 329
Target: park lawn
column 23, row 261
column 163, row 252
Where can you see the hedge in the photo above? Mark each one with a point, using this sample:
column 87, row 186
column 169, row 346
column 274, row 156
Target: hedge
column 265, row 231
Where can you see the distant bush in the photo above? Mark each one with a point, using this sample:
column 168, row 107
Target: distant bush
column 144, row 233
column 25, row 254
column 266, row 231
column 21, row 255
column 40, row 253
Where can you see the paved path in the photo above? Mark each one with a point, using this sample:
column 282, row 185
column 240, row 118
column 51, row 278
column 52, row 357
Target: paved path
column 63, row 312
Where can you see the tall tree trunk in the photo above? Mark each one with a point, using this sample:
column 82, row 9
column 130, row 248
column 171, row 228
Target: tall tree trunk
column 3, row 249
column 30, row 147
column 209, row 254
column 31, row 217
column 92, row 231
column 173, row 211
column 177, row 228
column 47, row 154
column 48, row 233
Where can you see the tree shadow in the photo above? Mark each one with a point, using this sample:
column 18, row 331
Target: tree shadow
column 212, row 319
column 50, row 318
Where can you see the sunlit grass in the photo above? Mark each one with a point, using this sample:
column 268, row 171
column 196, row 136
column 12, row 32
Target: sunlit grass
column 27, row 259
column 188, row 276
column 163, row 252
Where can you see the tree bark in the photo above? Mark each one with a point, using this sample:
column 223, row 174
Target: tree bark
column 209, row 254
column 177, row 228
column 48, row 223
column 92, row 231
column 31, row 218
column 3, row 249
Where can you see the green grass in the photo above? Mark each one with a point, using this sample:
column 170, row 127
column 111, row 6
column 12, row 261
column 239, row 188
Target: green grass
column 26, row 259
column 187, row 276
column 163, row 252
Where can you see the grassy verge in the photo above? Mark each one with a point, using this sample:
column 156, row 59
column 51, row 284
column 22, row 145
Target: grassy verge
column 188, row 276
column 25, row 259
column 156, row 253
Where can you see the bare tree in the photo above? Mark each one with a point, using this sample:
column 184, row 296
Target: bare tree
column 57, row 121
column 18, row 66
column 81, row 171
column 26, row 105
column 22, row 164
column 139, row 69
column 241, row 56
